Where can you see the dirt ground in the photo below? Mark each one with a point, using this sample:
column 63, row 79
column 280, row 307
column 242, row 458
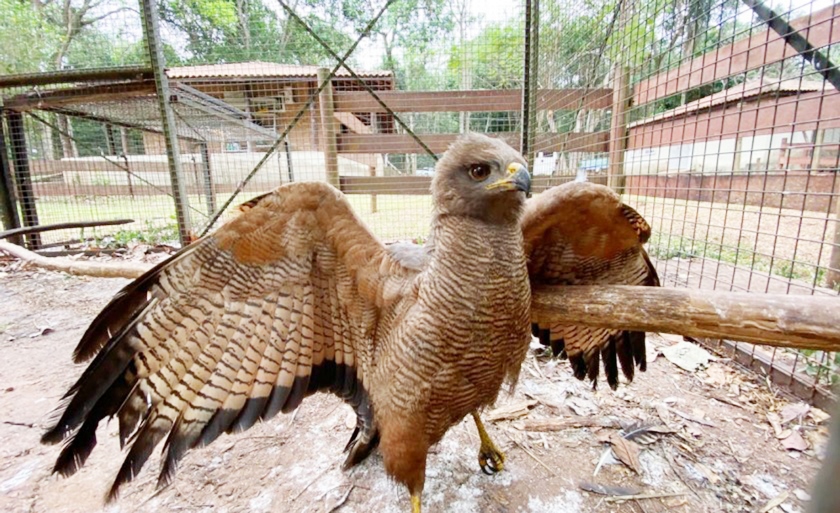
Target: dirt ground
column 713, row 446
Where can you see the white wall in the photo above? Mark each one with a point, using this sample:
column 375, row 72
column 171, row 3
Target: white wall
column 227, row 168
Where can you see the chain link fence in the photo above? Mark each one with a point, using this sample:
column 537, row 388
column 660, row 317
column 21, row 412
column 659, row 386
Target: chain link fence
column 715, row 119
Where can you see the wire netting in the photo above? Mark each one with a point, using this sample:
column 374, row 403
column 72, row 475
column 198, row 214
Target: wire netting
column 728, row 146
column 725, row 137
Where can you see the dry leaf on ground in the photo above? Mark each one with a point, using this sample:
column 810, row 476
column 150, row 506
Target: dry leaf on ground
column 627, row 451
column 511, row 411
column 793, row 411
column 795, row 442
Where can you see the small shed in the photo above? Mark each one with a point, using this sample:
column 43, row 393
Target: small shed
column 758, row 125
column 271, row 94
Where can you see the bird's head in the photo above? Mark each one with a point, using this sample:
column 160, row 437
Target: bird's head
column 481, row 177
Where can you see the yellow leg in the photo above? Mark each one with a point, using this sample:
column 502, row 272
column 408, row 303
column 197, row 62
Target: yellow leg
column 415, row 504
column 490, row 458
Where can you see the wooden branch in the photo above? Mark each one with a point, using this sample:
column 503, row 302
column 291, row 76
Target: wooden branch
column 60, row 226
column 802, row 322
column 79, row 268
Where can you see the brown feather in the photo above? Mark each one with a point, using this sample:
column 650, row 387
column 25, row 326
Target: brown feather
column 296, row 295
column 172, row 345
column 581, row 234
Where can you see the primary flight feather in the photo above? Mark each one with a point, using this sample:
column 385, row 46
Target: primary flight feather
column 296, row 296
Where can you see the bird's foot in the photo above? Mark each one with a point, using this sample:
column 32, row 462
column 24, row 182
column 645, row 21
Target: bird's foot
column 415, row 504
column 490, row 458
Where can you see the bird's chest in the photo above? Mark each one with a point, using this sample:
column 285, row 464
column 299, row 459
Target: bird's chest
column 483, row 301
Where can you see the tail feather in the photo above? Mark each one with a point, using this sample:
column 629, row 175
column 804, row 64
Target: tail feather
column 95, row 382
column 620, row 349
column 148, row 437
column 609, row 355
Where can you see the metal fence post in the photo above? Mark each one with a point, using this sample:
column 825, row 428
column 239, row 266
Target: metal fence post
column 833, row 277
column 329, row 145
column 8, row 203
column 170, row 134
column 23, row 178
column 207, row 176
column 529, row 80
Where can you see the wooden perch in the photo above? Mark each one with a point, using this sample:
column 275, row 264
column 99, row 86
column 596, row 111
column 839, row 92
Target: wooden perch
column 79, row 268
column 26, row 230
column 802, row 322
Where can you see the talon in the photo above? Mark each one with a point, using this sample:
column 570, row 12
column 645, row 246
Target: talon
column 491, row 461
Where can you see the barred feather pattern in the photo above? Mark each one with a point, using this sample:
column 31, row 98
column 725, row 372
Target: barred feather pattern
column 281, row 302
column 294, row 296
column 467, row 331
column 581, row 234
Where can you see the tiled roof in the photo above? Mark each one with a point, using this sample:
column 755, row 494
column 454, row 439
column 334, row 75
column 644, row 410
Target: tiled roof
column 747, row 90
column 258, row 69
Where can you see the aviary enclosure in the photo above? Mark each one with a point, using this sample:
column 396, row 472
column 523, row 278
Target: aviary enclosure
column 718, row 121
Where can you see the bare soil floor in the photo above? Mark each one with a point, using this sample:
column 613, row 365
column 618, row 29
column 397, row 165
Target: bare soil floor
column 714, row 449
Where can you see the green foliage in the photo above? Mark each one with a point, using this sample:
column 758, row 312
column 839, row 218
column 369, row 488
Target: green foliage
column 27, row 40
column 152, row 235
column 824, row 366
column 493, row 57
column 220, row 31
column 667, row 246
column 572, row 36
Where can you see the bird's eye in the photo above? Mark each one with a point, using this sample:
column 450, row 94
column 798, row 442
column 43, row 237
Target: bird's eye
column 479, row 172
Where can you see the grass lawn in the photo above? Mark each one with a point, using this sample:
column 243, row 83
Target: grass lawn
column 396, row 217
column 783, row 242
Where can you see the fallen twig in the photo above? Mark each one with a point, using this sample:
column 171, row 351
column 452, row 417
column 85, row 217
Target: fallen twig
column 78, row 268
column 21, row 424
column 776, row 501
column 310, row 483
column 692, row 418
column 559, row 424
column 642, row 496
column 531, row 454
column 718, row 397
column 342, row 500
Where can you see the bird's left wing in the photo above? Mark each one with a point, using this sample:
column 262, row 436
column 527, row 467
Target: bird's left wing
column 280, row 302
column 582, row 234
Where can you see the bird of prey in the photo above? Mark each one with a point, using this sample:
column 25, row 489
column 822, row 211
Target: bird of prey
column 296, row 295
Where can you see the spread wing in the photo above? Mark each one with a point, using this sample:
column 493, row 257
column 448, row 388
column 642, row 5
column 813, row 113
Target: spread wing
column 278, row 303
column 581, row 234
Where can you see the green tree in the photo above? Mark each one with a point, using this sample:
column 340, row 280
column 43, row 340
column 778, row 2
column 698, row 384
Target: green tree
column 219, row 31
column 408, row 27
column 27, row 40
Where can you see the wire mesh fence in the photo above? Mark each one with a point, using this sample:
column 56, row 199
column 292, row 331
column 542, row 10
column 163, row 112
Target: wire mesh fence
column 731, row 154
column 721, row 133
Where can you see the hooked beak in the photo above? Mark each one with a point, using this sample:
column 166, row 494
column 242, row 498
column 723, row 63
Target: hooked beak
column 517, row 179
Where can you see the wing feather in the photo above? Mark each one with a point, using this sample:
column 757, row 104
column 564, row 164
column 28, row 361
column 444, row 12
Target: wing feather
column 280, row 302
column 581, row 234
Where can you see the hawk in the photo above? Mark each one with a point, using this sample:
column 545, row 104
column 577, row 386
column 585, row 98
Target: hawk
column 296, row 296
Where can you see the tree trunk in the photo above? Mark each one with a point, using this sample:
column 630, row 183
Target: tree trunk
column 47, row 149
column 68, row 144
column 243, row 20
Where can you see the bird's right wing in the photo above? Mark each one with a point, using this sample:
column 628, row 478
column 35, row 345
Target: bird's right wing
column 582, row 234
column 278, row 303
